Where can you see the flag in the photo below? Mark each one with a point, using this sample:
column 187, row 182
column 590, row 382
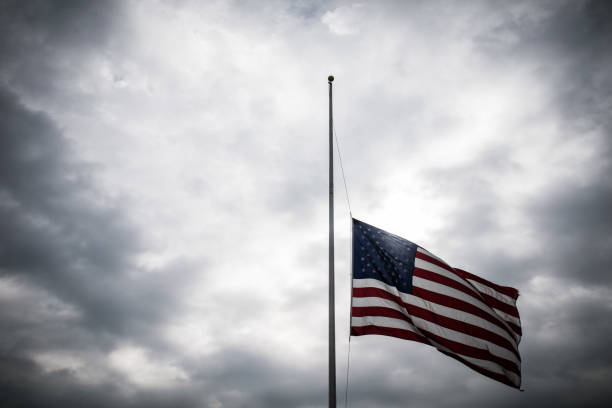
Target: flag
column 402, row 290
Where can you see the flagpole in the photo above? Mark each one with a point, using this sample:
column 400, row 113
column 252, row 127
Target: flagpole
column 332, row 320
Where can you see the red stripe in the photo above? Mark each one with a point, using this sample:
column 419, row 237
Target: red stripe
column 435, row 277
column 471, row 351
column 498, row 304
column 466, row 328
column 435, row 298
column 457, row 347
column 387, row 331
column 474, row 292
column 463, row 327
column 453, row 324
column 455, row 303
column 434, row 261
column 506, row 290
column 496, row 376
column 457, row 325
column 376, row 292
column 517, row 329
column 408, row 335
column 488, row 300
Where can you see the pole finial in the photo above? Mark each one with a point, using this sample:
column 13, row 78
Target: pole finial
column 330, row 78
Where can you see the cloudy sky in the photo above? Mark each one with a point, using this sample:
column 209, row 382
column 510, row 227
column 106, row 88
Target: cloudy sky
column 163, row 195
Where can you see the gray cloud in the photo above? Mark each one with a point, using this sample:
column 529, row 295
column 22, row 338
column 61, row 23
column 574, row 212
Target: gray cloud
column 576, row 222
column 44, row 43
column 162, row 205
column 74, row 247
column 58, row 231
column 568, row 46
column 23, row 384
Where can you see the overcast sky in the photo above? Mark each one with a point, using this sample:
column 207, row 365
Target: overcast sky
column 163, row 195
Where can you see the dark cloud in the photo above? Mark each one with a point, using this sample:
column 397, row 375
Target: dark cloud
column 569, row 47
column 24, row 384
column 574, row 218
column 44, row 43
column 234, row 378
column 58, row 230
column 569, row 365
column 576, row 224
column 65, row 240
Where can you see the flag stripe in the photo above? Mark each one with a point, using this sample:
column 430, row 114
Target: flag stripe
column 435, row 340
column 420, row 283
column 373, row 296
column 517, row 329
column 482, row 366
column 420, row 264
column 447, row 331
column 505, row 311
column 512, row 321
column 472, row 351
column 503, row 294
column 506, row 290
column 492, row 292
column 499, row 305
column 424, row 254
column 450, row 301
column 369, row 287
column 435, row 277
column 387, row 331
column 427, row 262
column 435, row 273
column 504, row 376
column 362, row 306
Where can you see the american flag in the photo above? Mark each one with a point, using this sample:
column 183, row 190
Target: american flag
column 402, row 290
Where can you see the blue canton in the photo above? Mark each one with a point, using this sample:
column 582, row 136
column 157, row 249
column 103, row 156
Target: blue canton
column 380, row 255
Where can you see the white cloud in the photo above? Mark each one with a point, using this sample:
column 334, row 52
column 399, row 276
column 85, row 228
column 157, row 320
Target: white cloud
column 140, row 367
column 345, row 20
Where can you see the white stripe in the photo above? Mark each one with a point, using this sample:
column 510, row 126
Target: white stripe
column 452, row 292
column 426, row 252
column 465, row 339
column 434, row 287
column 382, row 321
column 435, row 308
column 378, row 302
column 420, row 263
column 389, row 322
column 477, row 285
column 453, row 335
column 431, row 286
column 457, row 294
column 482, row 288
column 374, row 283
column 490, row 366
column 508, row 317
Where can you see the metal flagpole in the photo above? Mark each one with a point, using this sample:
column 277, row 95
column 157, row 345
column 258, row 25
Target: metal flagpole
column 332, row 322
